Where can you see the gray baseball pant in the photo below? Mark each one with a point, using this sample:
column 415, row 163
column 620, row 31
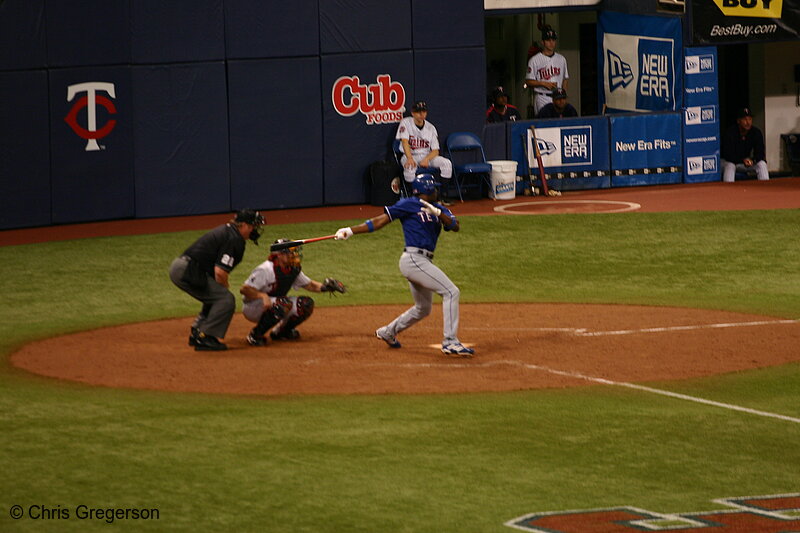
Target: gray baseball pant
column 424, row 279
column 219, row 304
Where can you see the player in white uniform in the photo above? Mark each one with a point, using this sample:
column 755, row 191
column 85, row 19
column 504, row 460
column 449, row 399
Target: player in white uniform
column 265, row 296
column 421, row 144
column 546, row 71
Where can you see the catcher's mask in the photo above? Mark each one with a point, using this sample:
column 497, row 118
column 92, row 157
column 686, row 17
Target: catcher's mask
column 254, row 218
column 424, row 183
column 290, row 256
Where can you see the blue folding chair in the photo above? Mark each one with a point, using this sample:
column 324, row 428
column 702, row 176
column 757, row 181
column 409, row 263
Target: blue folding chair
column 465, row 150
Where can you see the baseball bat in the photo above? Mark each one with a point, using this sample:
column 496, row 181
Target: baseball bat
column 292, row 244
column 545, row 189
column 528, row 163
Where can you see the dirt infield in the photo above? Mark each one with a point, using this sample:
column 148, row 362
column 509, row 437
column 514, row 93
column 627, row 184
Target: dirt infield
column 338, row 353
column 560, row 345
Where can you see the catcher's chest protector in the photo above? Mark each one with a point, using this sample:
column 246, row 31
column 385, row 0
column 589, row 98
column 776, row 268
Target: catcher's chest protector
column 284, row 278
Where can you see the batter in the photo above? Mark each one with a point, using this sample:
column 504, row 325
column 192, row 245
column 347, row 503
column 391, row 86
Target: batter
column 422, row 220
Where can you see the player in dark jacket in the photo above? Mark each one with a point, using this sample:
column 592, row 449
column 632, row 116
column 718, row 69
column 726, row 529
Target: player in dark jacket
column 501, row 110
column 202, row 272
column 742, row 148
column 558, row 108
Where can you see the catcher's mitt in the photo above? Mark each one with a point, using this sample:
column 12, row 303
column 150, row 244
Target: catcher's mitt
column 333, row 285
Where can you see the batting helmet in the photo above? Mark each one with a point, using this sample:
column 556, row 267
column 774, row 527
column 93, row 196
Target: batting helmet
column 424, row 183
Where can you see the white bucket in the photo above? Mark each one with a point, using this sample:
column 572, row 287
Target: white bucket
column 504, row 180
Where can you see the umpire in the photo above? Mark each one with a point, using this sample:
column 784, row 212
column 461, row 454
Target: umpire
column 202, row 272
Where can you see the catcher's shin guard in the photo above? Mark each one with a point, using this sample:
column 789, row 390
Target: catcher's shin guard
column 271, row 316
column 305, row 308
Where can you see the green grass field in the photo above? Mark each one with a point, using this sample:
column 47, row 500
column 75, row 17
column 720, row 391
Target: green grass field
column 426, row 463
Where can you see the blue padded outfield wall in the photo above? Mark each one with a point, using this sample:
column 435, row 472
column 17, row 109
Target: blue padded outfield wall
column 118, row 109
column 574, row 151
column 701, row 126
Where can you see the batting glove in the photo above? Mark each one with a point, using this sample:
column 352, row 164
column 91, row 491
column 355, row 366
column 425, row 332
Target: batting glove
column 430, row 208
column 343, row 234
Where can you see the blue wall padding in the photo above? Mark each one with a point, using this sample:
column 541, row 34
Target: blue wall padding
column 181, row 139
column 177, row 31
column 650, row 141
column 24, row 150
column 276, row 133
column 439, row 79
column 364, row 25
column 22, row 38
column 257, row 29
column 91, row 185
column 350, row 144
column 447, row 24
column 494, row 141
column 88, row 32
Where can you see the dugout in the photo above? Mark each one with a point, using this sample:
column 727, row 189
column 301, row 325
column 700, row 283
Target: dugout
column 116, row 109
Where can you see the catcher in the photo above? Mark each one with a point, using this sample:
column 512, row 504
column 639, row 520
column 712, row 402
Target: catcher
column 265, row 300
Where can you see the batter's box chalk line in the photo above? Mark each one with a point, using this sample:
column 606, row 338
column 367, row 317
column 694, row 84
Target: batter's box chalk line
column 584, row 332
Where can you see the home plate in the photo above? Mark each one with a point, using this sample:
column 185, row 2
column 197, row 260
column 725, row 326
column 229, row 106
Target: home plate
column 439, row 346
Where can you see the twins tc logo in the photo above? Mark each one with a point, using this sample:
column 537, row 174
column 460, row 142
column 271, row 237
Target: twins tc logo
column 380, row 103
column 90, row 102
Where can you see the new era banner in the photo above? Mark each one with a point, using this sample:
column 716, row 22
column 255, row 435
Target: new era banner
column 747, row 21
column 701, row 116
column 640, row 60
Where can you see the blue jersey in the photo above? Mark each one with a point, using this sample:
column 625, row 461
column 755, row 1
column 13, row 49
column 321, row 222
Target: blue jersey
column 420, row 229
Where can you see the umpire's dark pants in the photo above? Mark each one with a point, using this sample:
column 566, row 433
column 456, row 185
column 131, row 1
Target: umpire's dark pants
column 219, row 304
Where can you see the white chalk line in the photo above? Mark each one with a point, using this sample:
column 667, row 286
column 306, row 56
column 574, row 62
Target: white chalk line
column 624, row 206
column 583, row 332
column 601, row 381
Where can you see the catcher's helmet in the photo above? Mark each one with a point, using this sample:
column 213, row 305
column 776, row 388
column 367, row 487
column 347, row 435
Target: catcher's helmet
column 424, row 183
column 293, row 255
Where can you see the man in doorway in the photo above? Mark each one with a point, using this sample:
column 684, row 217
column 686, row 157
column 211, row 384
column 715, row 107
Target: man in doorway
column 742, row 149
column 547, row 70
column 558, row 108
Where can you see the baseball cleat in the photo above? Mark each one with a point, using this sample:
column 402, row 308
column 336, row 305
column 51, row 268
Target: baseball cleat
column 289, row 335
column 387, row 337
column 457, row 348
column 208, row 343
column 193, row 333
column 253, row 340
